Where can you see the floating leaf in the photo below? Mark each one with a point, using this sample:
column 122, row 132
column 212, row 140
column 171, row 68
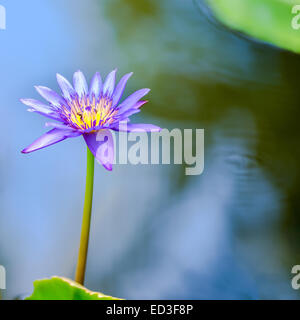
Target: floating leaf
column 58, row 288
column 273, row 21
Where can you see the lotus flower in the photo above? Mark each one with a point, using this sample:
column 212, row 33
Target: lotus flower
column 90, row 112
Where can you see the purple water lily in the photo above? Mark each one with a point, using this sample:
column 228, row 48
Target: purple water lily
column 89, row 112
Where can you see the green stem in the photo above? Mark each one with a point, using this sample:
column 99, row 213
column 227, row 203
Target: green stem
column 86, row 220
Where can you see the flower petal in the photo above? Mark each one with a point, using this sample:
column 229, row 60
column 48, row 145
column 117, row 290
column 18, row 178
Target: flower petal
column 101, row 145
column 132, row 100
column 58, row 126
column 51, row 137
column 109, row 84
column 41, row 108
column 120, row 88
column 37, row 105
column 135, row 127
column 135, row 109
column 128, row 113
column 80, row 84
column 50, row 116
column 96, row 86
column 65, row 86
column 51, row 96
column 139, row 104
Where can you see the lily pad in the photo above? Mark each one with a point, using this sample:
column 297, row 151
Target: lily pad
column 59, row 288
column 273, row 21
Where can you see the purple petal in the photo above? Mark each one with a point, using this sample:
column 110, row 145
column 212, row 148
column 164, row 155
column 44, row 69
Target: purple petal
column 120, row 88
column 37, row 105
column 132, row 100
column 139, row 104
column 101, row 145
column 51, row 96
column 128, row 113
column 50, row 116
column 65, row 86
column 58, row 126
column 131, row 111
column 51, row 137
column 96, row 86
column 80, row 84
column 41, row 108
column 109, row 84
column 136, row 127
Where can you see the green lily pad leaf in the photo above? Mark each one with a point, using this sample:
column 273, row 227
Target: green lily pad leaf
column 273, row 21
column 58, row 288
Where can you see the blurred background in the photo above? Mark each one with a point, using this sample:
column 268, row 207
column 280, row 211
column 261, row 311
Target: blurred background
column 230, row 233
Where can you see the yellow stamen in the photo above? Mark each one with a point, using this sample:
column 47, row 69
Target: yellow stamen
column 85, row 114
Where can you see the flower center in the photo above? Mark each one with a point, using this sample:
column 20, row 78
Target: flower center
column 85, row 113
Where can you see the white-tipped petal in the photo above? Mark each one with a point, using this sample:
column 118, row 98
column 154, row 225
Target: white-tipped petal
column 109, row 84
column 65, row 86
column 96, row 86
column 51, row 96
column 80, row 84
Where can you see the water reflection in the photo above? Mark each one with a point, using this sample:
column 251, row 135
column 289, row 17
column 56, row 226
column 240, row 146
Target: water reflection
column 229, row 233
